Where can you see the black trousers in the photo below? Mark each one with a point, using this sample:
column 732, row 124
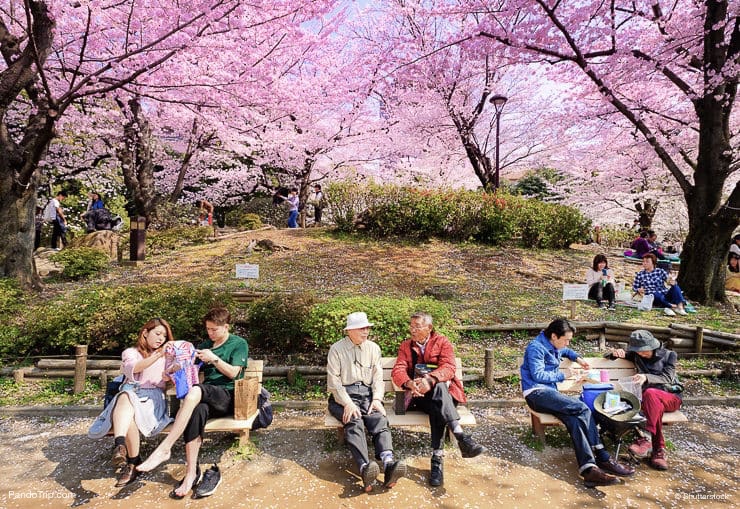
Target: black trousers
column 354, row 431
column 59, row 231
column 441, row 408
column 599, row 292
column 215, row 402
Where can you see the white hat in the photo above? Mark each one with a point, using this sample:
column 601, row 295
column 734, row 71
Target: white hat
column 357, row 320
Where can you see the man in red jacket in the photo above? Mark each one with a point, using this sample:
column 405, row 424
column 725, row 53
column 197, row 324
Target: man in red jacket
column 425, row 366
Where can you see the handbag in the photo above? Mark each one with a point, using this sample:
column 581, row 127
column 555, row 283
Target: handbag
column 646, row 304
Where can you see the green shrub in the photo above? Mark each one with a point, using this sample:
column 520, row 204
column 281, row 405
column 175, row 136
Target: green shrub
column 547, row 225
column 168, row 215
column 158, row 242
column 389, row 316
column 81, row 262
column 347, row 200
column 11, row 297
column 268, row 213
column 108, row 318
column 238, row 218
column 275, row 323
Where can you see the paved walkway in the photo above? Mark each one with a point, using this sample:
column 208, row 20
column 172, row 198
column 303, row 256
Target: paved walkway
column 50, row 462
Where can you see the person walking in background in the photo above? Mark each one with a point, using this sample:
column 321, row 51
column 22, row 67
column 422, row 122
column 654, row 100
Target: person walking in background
column 140, row 406
column 600, row 280
column 319, row 202
column 55, row 214
column 354, row 379
column 205, row 213
column 436, row 392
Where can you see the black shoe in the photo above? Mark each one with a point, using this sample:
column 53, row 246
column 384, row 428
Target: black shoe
column 615, row 468
column 211, row 480
column 469, row 447
column 195, row 484
column 369, row 474
column 594, row 476
column 436, row 476
column 393, row 472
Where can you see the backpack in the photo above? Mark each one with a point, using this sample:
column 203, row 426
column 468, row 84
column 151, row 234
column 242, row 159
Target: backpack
column 264, row 417
column 50, row 212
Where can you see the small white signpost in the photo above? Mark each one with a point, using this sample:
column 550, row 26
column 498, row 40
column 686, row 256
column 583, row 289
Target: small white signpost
column 574, row 292
column 247, row 271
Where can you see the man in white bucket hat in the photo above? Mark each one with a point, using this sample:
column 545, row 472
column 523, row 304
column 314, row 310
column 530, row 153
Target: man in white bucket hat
column 354, row 377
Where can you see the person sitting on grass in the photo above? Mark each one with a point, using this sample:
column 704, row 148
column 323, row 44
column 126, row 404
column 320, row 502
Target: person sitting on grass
column 732, row 278
column 540, row 374
column 653, row 281
column 661, row 392
column 225, row 357
column 140, row 406
column 600, row 280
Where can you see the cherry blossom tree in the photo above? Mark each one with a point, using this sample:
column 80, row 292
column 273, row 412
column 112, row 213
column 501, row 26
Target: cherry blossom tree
column 670, row 72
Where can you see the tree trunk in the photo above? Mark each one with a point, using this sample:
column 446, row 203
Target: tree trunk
column 17, row 234
column 137, row 161
column 646, row 212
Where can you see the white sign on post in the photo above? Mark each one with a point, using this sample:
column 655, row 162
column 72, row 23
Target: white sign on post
column 575, row 292
column 247, row 271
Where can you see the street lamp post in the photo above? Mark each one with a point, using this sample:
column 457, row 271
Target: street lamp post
column 498, row 102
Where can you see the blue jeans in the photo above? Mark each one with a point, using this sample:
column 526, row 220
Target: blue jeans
column 292, row 219
column 577, row 419
column 674, row 295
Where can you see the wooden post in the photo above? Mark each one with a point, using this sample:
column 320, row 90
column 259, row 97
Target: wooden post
column 602, row 341
column 80, row 368
column 137, row 239
column 572, row 309
column 699, row 339
column 488, row 370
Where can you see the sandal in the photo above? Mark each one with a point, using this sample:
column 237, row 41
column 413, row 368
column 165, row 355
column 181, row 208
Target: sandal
column 173, row 493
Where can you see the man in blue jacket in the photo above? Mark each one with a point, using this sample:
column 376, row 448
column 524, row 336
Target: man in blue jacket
column 540, row 372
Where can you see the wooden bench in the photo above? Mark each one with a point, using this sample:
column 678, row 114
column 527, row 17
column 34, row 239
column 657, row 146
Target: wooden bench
column 618, row 368
column 410, row 418
column 241, row 427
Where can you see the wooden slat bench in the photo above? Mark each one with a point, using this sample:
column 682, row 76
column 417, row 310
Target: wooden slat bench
column 618, row 368
column 409, row 419
column 241, row 427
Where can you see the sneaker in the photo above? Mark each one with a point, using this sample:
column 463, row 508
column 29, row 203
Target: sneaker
column 602, row 306
column 393, row 472
column 594, row 476
column 612, row 307
column 615, row 468
column 469, row 448
column 211, row 480
column 127, row 475
column 681, row 311
column 119, row 456
column 369, row 473
column 669, row 312
column 641, row 448
column 658, row 461
column 436, row 476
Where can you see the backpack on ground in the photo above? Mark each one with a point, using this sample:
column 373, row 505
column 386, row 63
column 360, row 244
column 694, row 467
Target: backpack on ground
column 264, row 417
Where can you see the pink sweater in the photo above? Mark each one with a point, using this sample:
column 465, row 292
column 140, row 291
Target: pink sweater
column 150, row 377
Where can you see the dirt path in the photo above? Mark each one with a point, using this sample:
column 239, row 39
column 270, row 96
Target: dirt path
column 296, row 463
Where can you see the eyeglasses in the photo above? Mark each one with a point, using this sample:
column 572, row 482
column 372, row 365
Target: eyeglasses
column 357, row 361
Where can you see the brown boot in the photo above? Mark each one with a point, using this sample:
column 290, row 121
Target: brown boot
column 127, row 475
column 594, row 476
column 119, row 456
column 658, row 461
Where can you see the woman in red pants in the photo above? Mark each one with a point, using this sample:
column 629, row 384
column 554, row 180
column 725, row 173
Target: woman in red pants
column 656, row 372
